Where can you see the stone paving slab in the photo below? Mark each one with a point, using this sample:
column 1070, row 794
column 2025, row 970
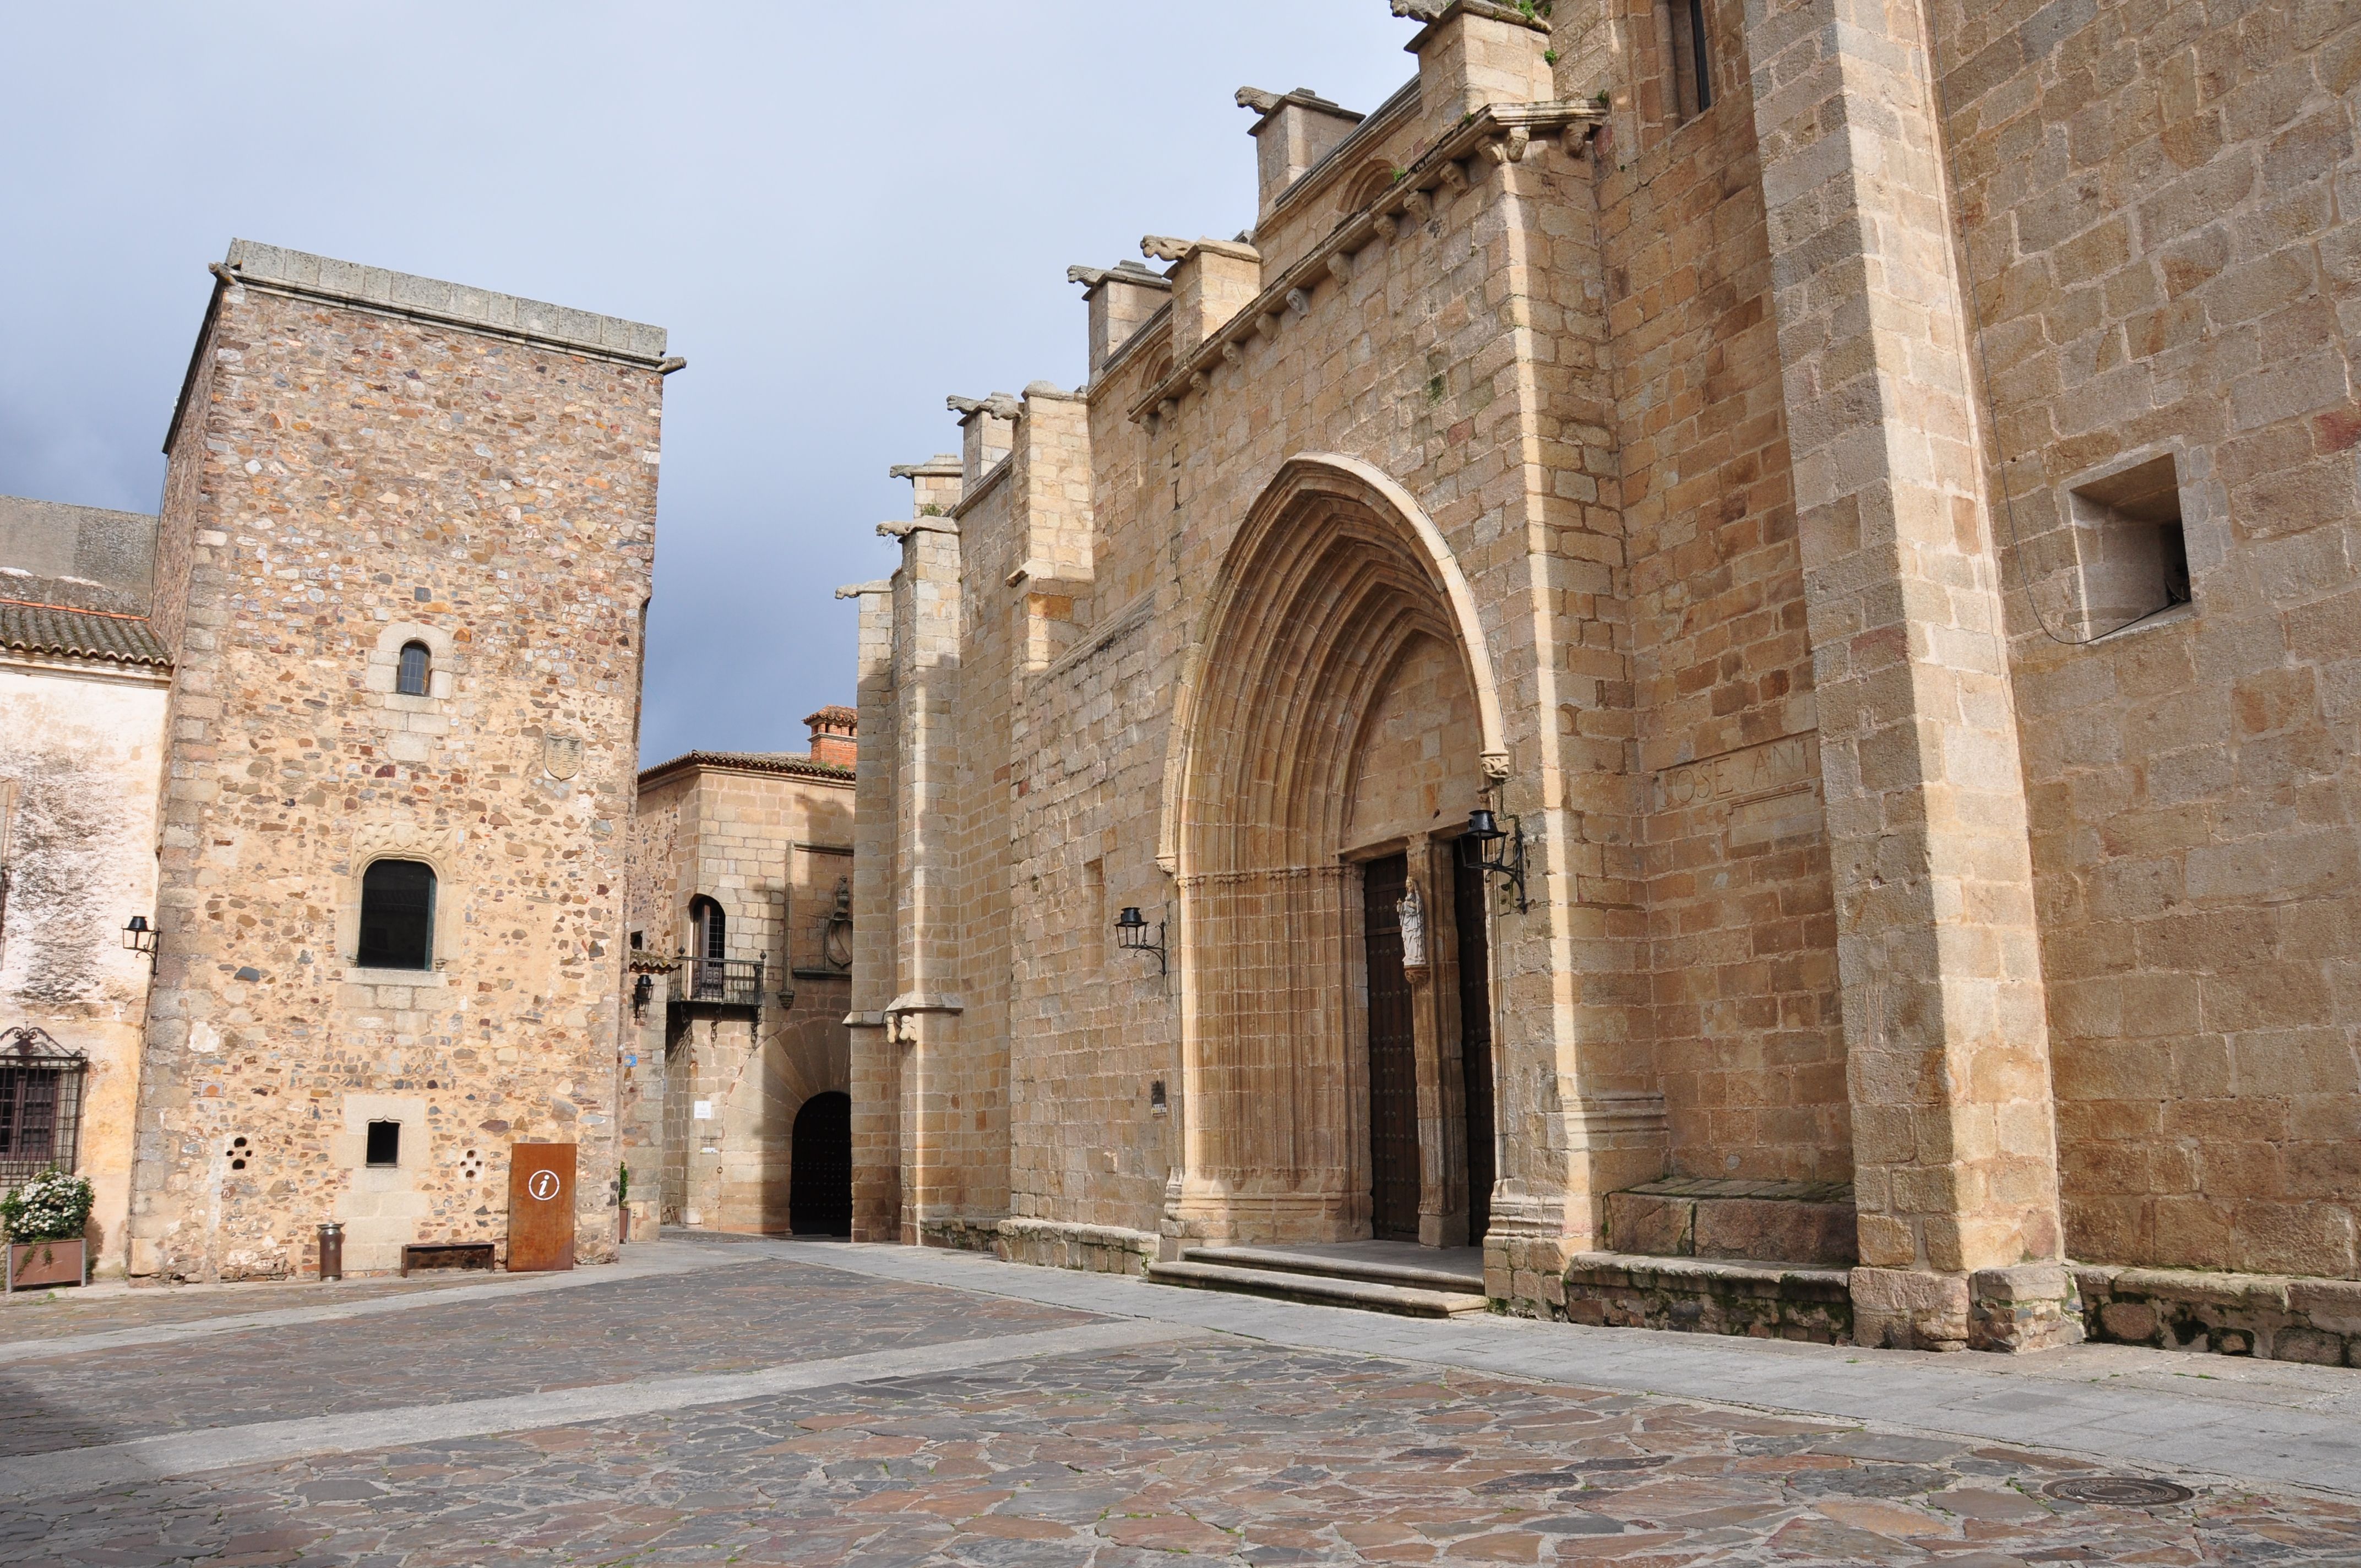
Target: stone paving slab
column 108, row 1316
column 69, row 1311
column 732, row 1319
column 2273, row 1423
column 1229, row 1451
column 225, row 1448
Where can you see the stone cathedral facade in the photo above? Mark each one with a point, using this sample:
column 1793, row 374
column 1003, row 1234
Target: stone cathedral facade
column 1865, row 500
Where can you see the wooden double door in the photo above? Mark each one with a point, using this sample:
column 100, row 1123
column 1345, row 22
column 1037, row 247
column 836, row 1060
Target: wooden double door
column 1394, row 1164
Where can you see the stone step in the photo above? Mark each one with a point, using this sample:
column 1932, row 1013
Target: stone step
column 1754, row 1297
column 1319, row 1290
column 1789, row 1221
column 1284, row 1262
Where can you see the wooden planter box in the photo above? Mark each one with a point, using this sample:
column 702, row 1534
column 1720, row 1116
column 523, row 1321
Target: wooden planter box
column 33, row 1265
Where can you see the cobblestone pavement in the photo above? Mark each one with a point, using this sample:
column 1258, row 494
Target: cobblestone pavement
column 1224, row 1449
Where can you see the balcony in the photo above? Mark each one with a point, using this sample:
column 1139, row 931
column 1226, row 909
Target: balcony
column 717, row 982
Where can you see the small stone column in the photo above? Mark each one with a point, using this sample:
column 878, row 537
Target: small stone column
column 1946, row 1033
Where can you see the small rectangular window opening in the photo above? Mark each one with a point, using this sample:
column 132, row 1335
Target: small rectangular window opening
column 384, row 1144
column 2131, row 555
column 1692, row 62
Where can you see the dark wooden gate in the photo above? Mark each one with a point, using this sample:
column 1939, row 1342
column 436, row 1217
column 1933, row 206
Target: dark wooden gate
column 1475, row 1037
column 541, row 1207
column 820, row 1168
column 1393, row 1058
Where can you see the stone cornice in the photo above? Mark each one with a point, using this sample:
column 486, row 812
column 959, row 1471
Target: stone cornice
column 374, row 289
column 1504, row 132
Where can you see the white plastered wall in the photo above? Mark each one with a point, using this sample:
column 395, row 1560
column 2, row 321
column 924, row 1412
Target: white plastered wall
column 83, row 746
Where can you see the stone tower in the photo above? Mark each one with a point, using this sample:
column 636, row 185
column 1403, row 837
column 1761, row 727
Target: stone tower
column 404, row 561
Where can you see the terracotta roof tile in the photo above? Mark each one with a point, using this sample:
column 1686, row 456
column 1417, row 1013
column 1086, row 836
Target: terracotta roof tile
column 52, row 629
column 793, row 763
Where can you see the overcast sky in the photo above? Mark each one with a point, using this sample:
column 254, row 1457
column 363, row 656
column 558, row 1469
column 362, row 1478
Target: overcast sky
column 841, row 212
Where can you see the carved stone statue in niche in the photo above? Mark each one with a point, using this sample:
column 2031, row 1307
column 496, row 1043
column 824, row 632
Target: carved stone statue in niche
column 1411, row 911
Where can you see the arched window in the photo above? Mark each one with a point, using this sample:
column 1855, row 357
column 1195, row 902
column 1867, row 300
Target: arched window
column 415, row 661
column 396, row 915
column 708, row 930
column 708, row 948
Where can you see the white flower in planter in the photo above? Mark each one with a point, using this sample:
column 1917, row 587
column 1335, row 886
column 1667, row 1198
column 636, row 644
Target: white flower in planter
column 51, row 1207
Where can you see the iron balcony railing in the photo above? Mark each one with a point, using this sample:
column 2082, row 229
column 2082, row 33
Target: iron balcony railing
column 719, row 982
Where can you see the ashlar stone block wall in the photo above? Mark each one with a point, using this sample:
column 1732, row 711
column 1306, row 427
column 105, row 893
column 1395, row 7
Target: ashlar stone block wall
column 769, row 838
column 1745, row 448
column 2156, row 203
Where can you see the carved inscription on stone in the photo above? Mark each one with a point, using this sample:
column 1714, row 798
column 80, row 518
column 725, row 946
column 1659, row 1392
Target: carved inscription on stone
column 1774, row 767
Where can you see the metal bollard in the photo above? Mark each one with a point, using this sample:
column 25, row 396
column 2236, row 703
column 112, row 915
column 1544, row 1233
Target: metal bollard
column 331, row 1251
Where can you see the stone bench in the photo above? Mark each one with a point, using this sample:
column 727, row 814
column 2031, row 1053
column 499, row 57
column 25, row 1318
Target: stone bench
column 469, row 1256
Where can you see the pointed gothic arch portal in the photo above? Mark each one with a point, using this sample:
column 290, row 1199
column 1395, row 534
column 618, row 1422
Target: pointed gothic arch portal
column 1338, row 719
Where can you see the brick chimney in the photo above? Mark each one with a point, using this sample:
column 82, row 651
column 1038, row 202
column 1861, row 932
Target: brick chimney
column 834, row 732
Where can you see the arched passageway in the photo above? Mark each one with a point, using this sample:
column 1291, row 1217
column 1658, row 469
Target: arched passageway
column 820, row 1176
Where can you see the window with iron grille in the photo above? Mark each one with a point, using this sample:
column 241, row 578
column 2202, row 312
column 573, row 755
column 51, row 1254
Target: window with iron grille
column 40, row 1104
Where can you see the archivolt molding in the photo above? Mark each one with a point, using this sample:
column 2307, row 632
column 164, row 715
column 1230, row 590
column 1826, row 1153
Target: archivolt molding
column 438, row 846
column 1300, row 481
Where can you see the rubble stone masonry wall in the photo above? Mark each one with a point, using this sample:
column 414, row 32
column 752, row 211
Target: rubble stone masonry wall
column 365, row 459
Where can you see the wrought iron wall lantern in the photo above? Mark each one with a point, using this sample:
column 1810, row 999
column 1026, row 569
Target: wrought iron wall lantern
column 1499, row 851
column 1131, row 934
column 139, row 936
column 641, row 990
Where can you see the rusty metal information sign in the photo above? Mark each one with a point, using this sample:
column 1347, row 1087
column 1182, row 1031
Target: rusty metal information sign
column 541, row 1207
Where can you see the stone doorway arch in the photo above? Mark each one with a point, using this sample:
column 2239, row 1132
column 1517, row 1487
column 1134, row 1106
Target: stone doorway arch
column 1338, row 589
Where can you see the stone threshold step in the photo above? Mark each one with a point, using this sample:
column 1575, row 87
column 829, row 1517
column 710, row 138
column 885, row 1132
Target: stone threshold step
column 1318, row 1289
column 1284, row 1262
